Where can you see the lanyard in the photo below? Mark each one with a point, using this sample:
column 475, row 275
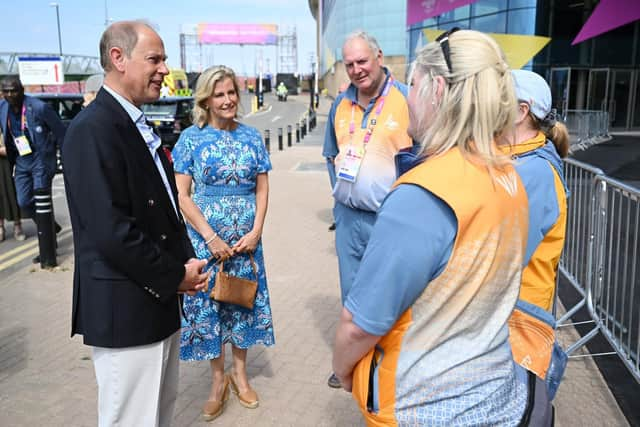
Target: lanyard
column 23, row 120
column 372, row 123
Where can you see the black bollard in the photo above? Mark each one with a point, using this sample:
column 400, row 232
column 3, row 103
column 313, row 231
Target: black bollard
column 303, row 129
column 46, row 228
column 305, row 125
column 288, row 135
column 280, row 147
column 267, row 140
column 260, row 98
column 297, row 132
column 312, row 120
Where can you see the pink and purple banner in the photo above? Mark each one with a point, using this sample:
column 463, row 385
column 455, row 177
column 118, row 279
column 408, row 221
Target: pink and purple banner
column 419, row 10
column 238, row 34
column 607, row 15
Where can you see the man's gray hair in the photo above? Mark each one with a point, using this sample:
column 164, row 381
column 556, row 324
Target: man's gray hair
column 368, row 38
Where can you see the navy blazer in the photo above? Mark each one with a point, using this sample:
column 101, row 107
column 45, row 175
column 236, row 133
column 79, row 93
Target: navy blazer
column 47, row 133
column 130, row 245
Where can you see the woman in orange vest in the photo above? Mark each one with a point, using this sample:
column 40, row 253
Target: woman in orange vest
column 423, row 337
column 540, row 143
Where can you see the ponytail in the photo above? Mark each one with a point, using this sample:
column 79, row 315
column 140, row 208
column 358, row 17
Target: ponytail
column 559, row 135
column 555, row 131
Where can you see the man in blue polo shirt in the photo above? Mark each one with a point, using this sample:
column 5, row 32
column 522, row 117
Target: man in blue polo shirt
column 367, row 126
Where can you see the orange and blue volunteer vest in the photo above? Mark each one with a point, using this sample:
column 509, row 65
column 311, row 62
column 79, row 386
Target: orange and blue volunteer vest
column 450, row 348
column 539, row 276
column 388, row 135
column 532, row 326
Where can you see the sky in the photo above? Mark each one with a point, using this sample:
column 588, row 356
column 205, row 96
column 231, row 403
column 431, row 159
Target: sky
column 33, row 27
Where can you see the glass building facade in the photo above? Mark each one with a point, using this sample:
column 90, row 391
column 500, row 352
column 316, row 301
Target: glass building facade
column 385, row 20
column 489, row 16
column 602, row 73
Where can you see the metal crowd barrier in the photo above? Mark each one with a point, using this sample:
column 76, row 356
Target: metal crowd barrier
column 584, row 125
column 600, row 258
column 614, row 297
column 575, row 257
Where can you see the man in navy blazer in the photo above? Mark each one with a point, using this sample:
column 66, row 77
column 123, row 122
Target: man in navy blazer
column 27, row 117
column 132, row 253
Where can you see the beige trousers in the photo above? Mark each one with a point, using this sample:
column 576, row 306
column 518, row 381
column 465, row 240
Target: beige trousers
column 137, row 386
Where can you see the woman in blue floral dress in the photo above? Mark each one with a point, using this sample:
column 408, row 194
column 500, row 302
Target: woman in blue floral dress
column 227, row 162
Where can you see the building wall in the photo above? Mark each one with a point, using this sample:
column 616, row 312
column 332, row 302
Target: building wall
column 384, row 19
column 489, row 16
column 602, row 73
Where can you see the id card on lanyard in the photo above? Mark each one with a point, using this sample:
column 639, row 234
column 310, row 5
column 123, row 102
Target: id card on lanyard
column 350, row 165
column 22, row 142
column 354, row 155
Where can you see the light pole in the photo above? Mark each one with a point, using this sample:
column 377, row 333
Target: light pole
column 57, row 6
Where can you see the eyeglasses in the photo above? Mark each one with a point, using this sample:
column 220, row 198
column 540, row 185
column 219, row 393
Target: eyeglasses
column 9, row 90
column 443, row 39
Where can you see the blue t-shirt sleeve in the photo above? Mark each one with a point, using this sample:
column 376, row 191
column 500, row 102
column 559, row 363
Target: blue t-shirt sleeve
column 182, row 154
column 330, row 146
column 410, row 245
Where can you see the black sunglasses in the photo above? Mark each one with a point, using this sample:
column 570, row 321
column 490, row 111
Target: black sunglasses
column 443, row 39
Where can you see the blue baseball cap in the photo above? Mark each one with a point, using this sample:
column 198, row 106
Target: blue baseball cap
column 534, row 90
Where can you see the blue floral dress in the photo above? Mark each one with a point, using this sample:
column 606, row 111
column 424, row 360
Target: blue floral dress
column 224, row 166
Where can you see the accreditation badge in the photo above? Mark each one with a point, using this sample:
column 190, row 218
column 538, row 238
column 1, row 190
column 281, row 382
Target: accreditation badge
column 350, row 165
column 22, row 144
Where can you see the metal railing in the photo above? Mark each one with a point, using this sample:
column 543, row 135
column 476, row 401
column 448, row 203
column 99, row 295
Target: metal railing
column 600, row 258
column 614, row 297
column 585, row 125
column 580, row 179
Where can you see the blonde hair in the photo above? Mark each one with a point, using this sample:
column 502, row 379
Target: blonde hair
column 204, row 89
column 478, row 105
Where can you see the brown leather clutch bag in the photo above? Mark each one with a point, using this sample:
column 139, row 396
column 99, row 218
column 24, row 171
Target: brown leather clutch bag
column 235, row 290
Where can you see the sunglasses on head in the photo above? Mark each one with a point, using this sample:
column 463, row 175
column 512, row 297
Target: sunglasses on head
column 443, row 40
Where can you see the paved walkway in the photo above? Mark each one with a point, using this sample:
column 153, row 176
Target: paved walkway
column 47, row 378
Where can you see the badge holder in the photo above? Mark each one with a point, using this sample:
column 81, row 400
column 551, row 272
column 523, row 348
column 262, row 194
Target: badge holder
column 23, row 146
column 350, row 165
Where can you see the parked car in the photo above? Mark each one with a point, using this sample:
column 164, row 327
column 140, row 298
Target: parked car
column 169, row 116
column 66, row 105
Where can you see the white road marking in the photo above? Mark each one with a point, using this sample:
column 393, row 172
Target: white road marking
column 259, row 113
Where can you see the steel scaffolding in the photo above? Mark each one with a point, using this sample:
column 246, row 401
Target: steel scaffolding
column 287, row 56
